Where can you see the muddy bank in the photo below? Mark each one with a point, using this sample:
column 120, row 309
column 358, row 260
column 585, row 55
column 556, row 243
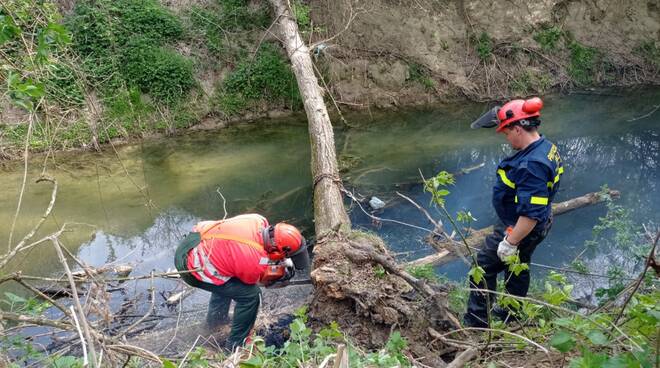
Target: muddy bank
column 394, row 53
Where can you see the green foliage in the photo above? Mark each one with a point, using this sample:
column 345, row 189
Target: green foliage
column 548, row 37
column 584, row 63
column 23, row 93
column 63, row 86
column 435, row 186
column 17, row 134
column 557, row 289
column 563, row 341
column 420, row 74
column 617, row 233
column 236, row 14
column 529, row 82
column 301, row 13
column 484, row 46
column 465, row 217
column 514, row 265
column 16, row 345
column 649, row 50
column 75, row 134
column 127, row 114
column 122, row 43
column 425, row 272
column 163, row 74
column 379, row 272
column 102, row 27
column 213, row 22
column 268, row 77
column 305, row 348
column 66, row 361
column 476, row 273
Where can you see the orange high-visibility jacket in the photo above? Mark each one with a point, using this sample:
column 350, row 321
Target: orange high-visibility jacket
column 230, row 248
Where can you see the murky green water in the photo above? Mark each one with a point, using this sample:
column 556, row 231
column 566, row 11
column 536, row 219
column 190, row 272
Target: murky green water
column 142, row 198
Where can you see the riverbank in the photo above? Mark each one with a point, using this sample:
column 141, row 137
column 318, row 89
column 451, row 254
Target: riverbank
column 214, row 64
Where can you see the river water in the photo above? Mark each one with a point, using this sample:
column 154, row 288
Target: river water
column 132, row 204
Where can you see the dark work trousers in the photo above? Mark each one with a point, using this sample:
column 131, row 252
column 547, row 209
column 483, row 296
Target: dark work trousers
column 247, row 297
column 477, row 309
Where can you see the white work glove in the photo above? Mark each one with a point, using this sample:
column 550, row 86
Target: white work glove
column 505, row 249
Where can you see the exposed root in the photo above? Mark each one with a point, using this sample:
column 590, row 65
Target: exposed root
column 362, row 287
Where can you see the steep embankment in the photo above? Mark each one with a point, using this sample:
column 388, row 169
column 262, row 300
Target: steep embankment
column 89, row 72
column 394, row 52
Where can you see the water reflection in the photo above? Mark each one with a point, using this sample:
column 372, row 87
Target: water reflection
column 142, row 204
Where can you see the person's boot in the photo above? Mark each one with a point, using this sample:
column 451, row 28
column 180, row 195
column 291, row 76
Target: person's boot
column 470, row 320
column 504, row 314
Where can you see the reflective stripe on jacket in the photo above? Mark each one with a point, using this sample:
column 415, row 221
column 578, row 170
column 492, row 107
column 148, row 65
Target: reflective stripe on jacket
column 229, row 248
column 527, row 183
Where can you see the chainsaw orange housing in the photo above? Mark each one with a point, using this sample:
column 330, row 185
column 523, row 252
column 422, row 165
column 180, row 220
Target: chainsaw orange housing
column 272, row 273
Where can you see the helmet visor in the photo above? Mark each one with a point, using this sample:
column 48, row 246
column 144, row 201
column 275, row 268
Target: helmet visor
column 301, row 257
column 487, row 120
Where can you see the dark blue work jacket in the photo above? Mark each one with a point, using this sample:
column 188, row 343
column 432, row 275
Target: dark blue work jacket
column 527, row 182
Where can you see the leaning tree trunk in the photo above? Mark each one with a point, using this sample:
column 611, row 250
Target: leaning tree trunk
column 329, row 210
column 356, row 282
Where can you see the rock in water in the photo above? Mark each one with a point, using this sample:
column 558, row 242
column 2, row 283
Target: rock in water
column 376, row 203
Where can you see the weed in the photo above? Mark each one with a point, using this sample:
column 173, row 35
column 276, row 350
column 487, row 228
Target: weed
column 548, row 37
column 379, row 272
column 650, row 51
column 584, row 63
column 236, row 14
column 63, row 86
column 484, row 46
column 75, row 134
column 301, row 13
column 419, row 73
column 425, row 272
column 530, row 82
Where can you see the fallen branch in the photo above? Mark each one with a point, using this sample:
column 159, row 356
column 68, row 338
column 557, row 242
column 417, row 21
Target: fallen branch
column 76, row 301
column 476, row 238
column 463, row 358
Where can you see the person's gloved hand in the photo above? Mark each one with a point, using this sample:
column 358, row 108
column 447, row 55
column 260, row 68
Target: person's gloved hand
column 505, row 249
column 289, row 269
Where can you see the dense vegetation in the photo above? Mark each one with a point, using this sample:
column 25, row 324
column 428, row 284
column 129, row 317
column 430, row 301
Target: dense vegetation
column 115, row 69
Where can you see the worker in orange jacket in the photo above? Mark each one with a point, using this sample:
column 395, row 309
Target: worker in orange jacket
column 231, row 258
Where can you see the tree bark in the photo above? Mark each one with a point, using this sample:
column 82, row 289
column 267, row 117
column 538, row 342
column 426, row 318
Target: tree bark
column 329, row 212
column 476, row 238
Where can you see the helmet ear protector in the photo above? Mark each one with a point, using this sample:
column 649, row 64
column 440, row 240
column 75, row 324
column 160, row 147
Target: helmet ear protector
column 267, row 237
column 300, row 257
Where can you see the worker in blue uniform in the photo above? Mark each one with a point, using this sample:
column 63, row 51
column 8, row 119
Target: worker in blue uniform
column 526, row 184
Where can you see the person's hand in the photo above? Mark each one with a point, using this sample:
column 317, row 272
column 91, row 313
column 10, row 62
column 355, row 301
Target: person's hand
column 505, row 249
column 289, row 270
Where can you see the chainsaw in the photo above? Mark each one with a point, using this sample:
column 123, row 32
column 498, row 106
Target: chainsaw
column 285, row 283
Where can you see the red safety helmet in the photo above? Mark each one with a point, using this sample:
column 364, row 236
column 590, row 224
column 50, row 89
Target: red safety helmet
column 518, row 110
column 285, row 241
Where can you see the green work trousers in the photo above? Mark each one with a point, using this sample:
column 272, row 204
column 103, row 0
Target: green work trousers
column 247, row 297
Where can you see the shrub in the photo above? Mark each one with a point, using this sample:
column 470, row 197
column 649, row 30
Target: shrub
column 62, row 86
column 484, row 46
column 121, row 43
column 584, row 63
column 236, row 14
column 163, row 74
column 548, row 37
column 419, row 73
column 301, row 13
column 268, row 77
